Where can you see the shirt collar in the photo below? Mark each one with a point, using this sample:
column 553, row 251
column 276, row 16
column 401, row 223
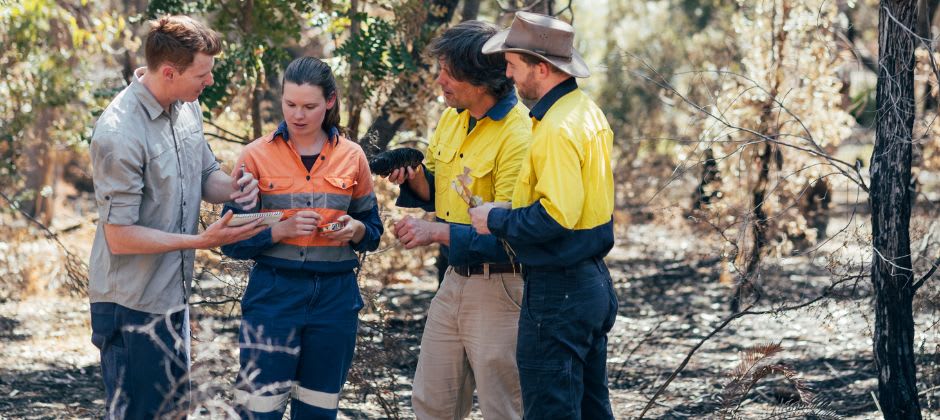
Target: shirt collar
column 501, row 108
column 545, row 103
column 282, row 131
column 147, row 99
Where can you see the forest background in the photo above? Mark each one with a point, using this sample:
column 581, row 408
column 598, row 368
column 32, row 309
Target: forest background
column 776, row 167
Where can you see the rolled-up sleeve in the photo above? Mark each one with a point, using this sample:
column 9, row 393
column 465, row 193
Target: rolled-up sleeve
column 118, row 176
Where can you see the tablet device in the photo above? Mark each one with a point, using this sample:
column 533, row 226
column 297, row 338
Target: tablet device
column 270, row 218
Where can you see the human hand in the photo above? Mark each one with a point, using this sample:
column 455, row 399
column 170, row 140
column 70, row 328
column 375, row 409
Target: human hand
column 412, row 232
column 352, row 231
column 303, row 223
column 219, row 233
column 479, row 216
column 401, row 175
column 245, row 188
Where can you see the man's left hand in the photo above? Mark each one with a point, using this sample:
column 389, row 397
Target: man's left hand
column 479, row 216
column 245, row 188
column 412, row 232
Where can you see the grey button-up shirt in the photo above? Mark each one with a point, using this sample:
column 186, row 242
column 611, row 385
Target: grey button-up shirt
column 149, row 170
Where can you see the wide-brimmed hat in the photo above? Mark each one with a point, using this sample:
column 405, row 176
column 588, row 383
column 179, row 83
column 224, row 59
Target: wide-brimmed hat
column 542, row 36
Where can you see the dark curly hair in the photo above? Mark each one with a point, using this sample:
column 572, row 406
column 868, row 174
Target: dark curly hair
column 461, row 47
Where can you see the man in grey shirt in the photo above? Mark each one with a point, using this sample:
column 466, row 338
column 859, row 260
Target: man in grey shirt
column 152, row 167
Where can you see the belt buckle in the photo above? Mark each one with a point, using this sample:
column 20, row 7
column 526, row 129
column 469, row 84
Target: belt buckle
column 486, row 270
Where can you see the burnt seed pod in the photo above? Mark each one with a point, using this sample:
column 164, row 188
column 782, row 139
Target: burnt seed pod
column 384, row 163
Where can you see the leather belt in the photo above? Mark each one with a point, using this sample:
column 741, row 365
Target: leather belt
column 476, row 269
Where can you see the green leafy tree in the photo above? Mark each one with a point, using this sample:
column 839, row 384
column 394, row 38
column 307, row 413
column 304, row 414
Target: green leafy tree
column 257, row 36
column 47, row 52
column 389, row 67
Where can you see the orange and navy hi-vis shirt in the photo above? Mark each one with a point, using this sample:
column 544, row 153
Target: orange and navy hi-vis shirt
column 339, row 183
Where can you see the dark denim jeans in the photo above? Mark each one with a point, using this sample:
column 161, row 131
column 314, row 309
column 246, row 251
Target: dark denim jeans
column 562, row 347
column 143, row 363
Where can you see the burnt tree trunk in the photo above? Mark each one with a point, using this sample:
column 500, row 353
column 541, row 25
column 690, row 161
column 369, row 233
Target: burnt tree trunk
column 354, row 96
column 926, row 13
column 890, row 201
column 42, row 169
column 470, row 11
column 257, row 91
column 768, row 155
column 545, row 7
column 749, row 283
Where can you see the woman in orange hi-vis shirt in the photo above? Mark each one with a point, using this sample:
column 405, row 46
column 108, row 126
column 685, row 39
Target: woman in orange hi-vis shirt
column 299, row 312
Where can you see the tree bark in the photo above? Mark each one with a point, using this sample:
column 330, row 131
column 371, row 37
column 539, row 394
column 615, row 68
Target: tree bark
column 471, row 9
column 545, row 7
column 257, row 93
column 890, row 202
column 764, row 158
column 42, row 169
column 257, row 90
column 354, row 97
column 926, row 14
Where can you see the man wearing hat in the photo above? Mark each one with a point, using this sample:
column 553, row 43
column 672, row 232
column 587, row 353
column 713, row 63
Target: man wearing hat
column 560, row 225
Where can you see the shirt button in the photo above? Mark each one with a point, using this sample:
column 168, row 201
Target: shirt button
column 308, row 204
column 301, row 253
column 184, row 230
column 308, row 177
column 184, row 203
column 107, row 197
column 461, row 155
column 448, row 213
column 271, row 185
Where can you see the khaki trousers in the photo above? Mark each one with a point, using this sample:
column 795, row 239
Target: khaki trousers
column 469, row 342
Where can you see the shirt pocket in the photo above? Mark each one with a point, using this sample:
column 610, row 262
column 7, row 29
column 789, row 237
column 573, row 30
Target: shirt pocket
column 275, row 192
column 483, row 184
column 194, row 145
column 338, row 194
column 445, row 169
column 161, row 172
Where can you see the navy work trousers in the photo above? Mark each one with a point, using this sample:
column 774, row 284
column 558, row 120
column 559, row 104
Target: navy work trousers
column 562, row 346
column 144, row 361
column 297, row 341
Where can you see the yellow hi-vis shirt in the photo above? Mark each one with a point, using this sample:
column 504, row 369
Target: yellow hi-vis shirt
column 493, row 150
column 564, row 198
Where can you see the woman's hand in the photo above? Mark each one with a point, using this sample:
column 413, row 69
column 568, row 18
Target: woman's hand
column 352, row 231
column 304, row 223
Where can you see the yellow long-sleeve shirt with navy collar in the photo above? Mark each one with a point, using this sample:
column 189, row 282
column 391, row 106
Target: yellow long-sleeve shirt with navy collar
column 493, row 149
column 563, row 202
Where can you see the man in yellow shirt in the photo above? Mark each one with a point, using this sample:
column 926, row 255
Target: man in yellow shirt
column 469, row 340
column 560, row 225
